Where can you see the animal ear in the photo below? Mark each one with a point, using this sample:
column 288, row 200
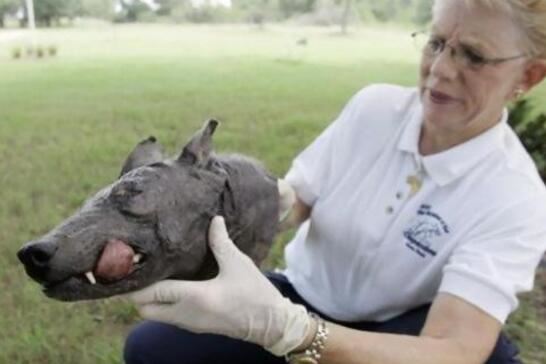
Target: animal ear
column 199, row 148
column 146, row 152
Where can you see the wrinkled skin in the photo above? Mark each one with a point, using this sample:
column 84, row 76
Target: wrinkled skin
column 159, row 209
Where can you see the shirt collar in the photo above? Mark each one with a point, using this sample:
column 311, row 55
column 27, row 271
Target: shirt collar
column 446, row 166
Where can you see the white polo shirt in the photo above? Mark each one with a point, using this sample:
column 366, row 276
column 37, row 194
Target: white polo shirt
column 372, row 250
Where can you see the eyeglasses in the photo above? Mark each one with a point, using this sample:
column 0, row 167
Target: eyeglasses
column 464, row 56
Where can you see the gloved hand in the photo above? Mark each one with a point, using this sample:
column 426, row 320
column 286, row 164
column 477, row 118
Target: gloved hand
column 287, row 199
column 240, row 302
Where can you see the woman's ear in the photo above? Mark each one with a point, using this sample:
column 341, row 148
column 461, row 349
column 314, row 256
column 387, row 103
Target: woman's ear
column 534, row 73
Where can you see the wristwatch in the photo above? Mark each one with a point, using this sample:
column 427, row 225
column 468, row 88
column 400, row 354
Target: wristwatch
column 312, row 354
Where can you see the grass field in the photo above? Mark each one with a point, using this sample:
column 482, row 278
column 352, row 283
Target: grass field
column 67, row 123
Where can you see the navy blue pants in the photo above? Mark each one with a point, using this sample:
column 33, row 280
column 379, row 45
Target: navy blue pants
column 157, row 343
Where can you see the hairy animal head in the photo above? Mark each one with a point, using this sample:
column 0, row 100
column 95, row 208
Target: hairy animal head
column 151, row 223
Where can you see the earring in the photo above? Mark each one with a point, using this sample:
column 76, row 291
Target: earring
column 519, row 94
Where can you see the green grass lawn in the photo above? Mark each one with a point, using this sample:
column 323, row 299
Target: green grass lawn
column 68, row 122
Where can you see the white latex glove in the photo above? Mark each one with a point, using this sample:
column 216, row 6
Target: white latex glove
column 287, row 199
column 240, row 302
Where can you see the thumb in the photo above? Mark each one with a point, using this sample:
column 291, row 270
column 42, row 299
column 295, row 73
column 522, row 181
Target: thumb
column 220, row 243
column 287, row 198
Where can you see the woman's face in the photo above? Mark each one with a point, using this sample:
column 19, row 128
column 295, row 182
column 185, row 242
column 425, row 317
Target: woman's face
column 462, row 100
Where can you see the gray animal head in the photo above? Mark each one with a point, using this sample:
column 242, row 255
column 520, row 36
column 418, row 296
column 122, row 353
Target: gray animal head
column 151, row 224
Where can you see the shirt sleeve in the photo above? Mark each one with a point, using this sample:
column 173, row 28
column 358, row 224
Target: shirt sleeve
column 499, row 258
column 310, row 170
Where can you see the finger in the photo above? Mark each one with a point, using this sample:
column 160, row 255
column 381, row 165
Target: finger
column 221, row 245
column 218, row 230
column 158, row 292
column 168, row 291
column 157, row 312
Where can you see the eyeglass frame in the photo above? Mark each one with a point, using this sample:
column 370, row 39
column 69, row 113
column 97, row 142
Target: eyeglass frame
column 483, row 62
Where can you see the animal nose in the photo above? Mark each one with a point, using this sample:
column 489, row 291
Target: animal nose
column 37, row 255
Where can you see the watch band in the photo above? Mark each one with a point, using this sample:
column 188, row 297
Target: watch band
column 312, row 354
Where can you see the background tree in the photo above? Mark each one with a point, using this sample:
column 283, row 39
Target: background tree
column 132, row 10
column 345, row 16
column 288, row 8
column 385, row 10
column 166, row 7
column 423, row 12
column 6, row 7
column 262, row 11
column 101, row 9
column 48, row 12
column 256, row 11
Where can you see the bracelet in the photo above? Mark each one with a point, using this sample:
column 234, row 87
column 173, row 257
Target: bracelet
column 312, row 354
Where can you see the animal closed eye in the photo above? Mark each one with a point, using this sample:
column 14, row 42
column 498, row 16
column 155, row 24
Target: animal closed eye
column 134, row 191
column 134, row 201
column 137, row 206
column 126, row 192
column 157, row 165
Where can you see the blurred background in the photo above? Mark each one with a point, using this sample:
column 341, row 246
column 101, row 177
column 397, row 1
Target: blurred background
column 87, row 79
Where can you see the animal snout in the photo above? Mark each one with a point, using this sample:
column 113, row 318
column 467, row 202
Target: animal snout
column 36, row 258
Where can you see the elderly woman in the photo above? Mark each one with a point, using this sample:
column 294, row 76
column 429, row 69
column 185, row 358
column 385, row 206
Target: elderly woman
column 423, row 218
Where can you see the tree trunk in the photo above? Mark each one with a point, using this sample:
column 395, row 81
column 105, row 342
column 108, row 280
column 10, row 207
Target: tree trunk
column 24, row 19
column 345, row 17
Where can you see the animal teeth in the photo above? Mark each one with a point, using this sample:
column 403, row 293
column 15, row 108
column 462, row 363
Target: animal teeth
column 91, row 277
column 136, row 258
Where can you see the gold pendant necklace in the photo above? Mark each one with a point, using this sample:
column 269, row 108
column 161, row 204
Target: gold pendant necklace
column 415, row 181
column 415, row 184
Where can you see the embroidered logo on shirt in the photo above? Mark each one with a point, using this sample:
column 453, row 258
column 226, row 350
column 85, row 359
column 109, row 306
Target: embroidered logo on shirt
column 425, row 229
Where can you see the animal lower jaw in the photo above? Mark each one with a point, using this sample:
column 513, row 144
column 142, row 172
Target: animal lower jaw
column 88, row 285
column 78, row 287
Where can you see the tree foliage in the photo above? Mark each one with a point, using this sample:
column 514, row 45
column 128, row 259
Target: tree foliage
column 531, row 131
column 288, row 8
column 423, row 12
column 49, row 12
column 418, row 12
column 6, row 7
column 132, row 11
column 100, row 9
